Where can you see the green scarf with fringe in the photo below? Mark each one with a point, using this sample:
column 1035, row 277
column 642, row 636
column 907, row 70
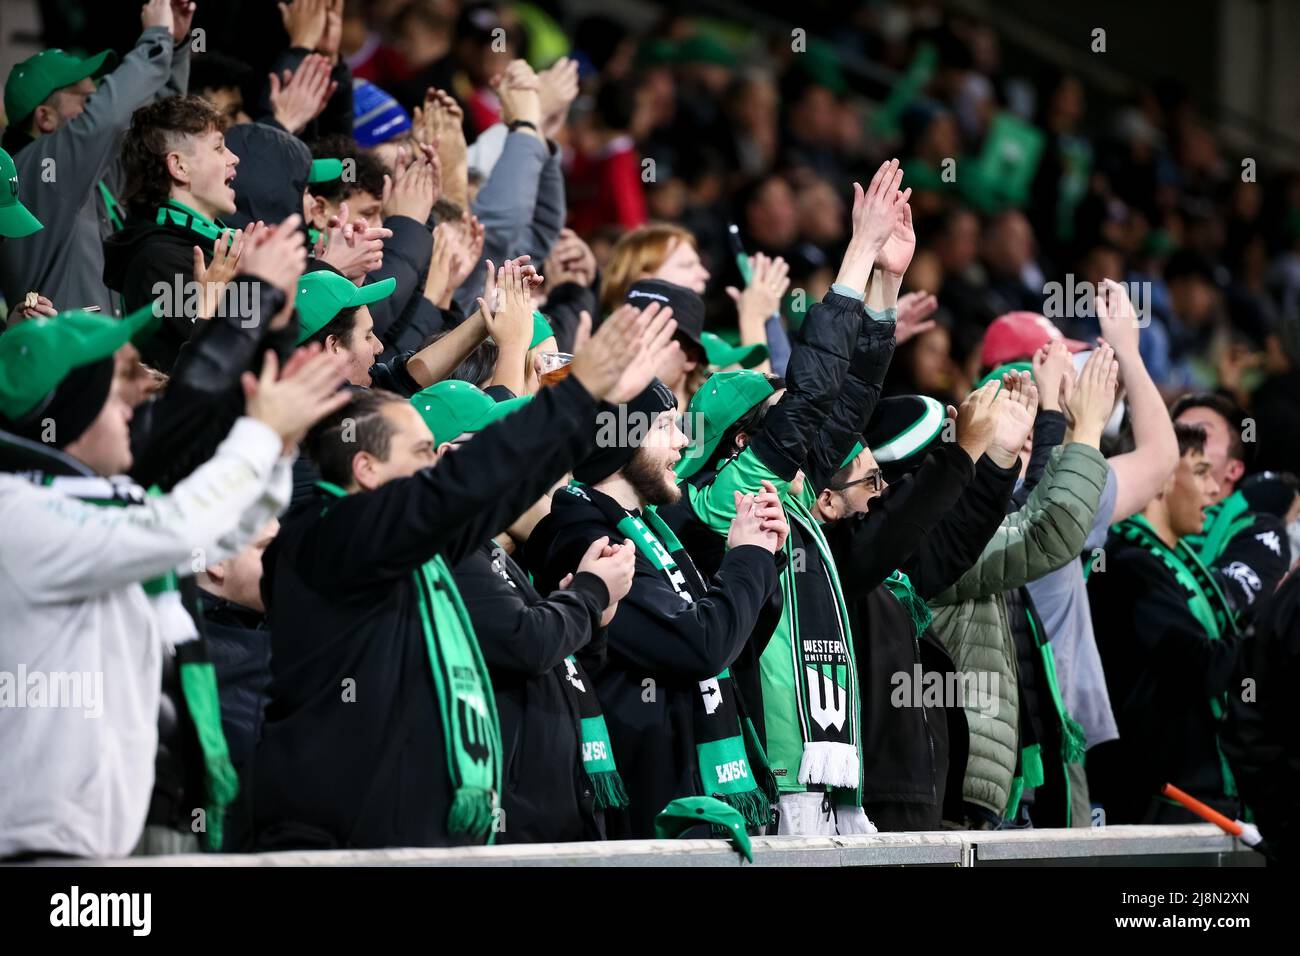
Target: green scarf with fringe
column 597, row 751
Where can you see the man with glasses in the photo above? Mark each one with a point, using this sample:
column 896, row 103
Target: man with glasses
column 897, row 543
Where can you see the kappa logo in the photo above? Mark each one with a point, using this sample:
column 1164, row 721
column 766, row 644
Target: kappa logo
column 1245, row 575
column 712, row 694
column 1270, row 540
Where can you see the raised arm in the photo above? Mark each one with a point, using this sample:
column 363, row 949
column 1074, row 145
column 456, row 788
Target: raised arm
column 1141, row 473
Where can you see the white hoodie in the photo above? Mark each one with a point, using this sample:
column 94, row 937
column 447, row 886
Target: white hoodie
column 74, row 781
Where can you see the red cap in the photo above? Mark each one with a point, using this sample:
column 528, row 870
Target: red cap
column 1018, row 335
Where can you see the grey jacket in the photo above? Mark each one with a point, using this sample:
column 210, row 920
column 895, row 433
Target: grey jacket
column 522, row 207
column 59, row 174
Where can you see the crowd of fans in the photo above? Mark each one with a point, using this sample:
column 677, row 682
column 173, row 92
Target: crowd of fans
column 434, row 435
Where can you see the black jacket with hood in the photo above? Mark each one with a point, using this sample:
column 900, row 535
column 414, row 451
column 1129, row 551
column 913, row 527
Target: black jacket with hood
column 370, row 769
column 1261, row 737
column 145, row 255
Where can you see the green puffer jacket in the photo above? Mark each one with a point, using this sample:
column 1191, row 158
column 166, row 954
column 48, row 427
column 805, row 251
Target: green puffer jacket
column 971, row 616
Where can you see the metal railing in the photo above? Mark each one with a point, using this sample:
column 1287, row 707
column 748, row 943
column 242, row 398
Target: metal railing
column 1196, row 845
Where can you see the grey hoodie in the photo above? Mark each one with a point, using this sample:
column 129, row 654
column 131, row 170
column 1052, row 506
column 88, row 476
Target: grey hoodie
column 60, row 175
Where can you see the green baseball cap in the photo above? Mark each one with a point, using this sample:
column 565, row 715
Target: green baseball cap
column 36, row 355
column 35, row 78
column 687, row 812
column 325, row 170
column 323, row 294
column 15, row 219
column 541, row 330
column 453, row 408
column 722, row 353
column 1001, row 370
column 719, row 404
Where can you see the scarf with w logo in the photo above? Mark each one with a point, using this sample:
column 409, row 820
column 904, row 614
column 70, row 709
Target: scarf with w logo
column 732, row 765
column 812, row 668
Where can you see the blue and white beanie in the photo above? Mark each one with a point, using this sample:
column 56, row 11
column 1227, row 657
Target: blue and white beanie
column 376, row 116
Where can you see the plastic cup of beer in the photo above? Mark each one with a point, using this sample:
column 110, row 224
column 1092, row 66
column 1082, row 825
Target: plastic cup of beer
column 553, row 367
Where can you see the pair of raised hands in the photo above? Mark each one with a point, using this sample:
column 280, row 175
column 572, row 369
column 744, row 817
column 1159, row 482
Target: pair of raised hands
column 883, row 237
column 997, row 418
column 615, row 564
column 274, row 254
column 354, row 248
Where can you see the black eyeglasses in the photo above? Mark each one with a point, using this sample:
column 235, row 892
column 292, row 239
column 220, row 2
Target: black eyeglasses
column 874, row 480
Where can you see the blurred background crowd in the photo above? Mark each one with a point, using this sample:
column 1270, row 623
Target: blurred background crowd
column 1027, row 171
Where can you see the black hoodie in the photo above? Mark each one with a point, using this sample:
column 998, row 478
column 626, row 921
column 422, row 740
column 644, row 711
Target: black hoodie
column 140, row 257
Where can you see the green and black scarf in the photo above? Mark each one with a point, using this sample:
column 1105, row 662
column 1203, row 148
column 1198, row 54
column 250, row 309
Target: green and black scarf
column 732, row 765
column 471, row 730
column 1205, row 602
column 597, row 751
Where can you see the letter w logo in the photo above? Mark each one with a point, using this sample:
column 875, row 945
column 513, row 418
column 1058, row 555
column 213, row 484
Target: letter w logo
column 473, row 731
column 827, row 703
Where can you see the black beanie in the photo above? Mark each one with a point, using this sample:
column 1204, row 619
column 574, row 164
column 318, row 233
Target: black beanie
column 73, row 406
column 902, row 431
column 609, row 457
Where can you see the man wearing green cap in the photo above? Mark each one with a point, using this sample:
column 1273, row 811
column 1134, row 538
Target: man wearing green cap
column 382, row 728
column 560, row 771
column 87, row 585
column 402, row 204
column 64, row 134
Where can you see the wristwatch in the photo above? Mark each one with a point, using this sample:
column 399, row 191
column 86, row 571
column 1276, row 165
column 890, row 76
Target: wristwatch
column 516, row 124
